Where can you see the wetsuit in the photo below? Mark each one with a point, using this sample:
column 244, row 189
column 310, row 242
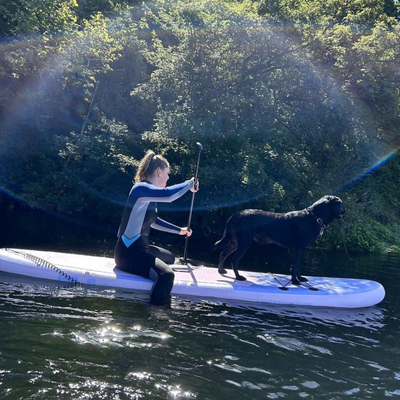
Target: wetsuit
column 133, row 252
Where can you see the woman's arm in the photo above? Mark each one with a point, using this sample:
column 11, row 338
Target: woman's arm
column 149, row 192
column 165, row 226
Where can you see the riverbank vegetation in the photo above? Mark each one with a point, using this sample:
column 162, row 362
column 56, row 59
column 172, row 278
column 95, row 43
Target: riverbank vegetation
column 291, row 100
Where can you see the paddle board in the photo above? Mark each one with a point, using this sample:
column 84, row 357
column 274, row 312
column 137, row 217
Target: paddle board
column 198, row 281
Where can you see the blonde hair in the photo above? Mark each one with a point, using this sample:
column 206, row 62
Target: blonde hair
column 149, row 163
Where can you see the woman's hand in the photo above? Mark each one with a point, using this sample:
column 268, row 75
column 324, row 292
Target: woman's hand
column 186, row 232
column 196, row 186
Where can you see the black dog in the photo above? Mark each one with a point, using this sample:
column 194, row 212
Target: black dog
column 294, row 230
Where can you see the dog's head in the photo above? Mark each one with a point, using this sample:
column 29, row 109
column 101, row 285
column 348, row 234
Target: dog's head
column 328, row 208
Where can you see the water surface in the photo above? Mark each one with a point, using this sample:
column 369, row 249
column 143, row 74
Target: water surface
column 71, row 342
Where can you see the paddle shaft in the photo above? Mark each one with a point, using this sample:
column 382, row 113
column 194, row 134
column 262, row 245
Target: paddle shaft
column 199, row 148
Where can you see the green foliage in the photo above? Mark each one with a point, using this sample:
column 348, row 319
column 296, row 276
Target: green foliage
column 291, row 100
column 30, row 17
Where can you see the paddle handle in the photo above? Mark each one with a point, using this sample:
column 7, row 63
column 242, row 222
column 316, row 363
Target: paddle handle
column 200, row 149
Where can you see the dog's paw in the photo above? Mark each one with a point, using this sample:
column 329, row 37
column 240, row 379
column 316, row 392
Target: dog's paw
column 296, row 282
column 303, row 279
column 221, row 271
column 240, row 278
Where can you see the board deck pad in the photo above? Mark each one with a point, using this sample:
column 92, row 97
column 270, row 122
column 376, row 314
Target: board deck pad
column 197, row 281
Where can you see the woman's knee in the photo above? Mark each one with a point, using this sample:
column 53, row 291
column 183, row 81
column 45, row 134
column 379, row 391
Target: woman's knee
column 165, row 255
column 168, row 277
column 161, row 271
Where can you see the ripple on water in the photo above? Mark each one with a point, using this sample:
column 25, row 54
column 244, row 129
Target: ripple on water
column 118, row 336
column 293, row 344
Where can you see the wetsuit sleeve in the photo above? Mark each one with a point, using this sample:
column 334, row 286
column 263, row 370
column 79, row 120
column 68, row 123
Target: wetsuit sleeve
column 165, row 226
column 148, row 192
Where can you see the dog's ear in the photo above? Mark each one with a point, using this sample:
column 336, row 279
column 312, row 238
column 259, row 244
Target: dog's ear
column 325, row 199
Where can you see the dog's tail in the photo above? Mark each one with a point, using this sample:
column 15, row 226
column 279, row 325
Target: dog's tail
column 224, row 241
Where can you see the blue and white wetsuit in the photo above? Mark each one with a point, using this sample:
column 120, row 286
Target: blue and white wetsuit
column 133, row 252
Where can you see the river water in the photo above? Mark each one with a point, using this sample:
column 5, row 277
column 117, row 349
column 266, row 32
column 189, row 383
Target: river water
column 64, row 342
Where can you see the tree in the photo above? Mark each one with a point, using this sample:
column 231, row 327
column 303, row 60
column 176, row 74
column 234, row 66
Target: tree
column 32, row 17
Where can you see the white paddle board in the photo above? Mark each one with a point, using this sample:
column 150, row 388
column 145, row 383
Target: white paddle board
column 198, row 281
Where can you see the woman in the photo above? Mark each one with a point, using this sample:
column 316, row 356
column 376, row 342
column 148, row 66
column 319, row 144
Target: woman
column 133, row 252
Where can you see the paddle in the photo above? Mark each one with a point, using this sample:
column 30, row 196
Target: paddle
column 199, row 149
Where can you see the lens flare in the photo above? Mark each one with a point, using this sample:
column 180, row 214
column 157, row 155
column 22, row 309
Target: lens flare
column 369, row 171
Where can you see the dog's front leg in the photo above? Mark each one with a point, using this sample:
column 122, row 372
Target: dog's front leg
column 296, row 276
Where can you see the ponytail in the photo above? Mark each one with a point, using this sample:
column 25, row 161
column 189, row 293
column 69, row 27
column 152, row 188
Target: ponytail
column 149, row 163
